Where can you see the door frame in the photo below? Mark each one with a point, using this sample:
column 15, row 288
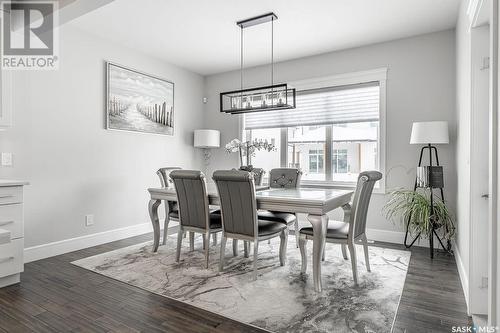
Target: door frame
column 478, row 12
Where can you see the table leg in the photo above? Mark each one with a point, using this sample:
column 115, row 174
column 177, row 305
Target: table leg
column 319, row 223
column 153, row 214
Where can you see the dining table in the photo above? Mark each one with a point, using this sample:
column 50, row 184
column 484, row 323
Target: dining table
column 315, row 202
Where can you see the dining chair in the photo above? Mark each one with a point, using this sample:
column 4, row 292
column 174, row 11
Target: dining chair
column 194, row 212
column 239, row 215
column 284, row 178
column 258, row 174
column 352, row 232
column 171, row 208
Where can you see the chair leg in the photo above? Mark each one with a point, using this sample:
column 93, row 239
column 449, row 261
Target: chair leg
column 191, row 241
column 302, row 246
column 365, row 248
column 214, row 236
column 255, row 254
column 344, row 250
column 296, row 231
column 323, row 255
column 283, row 245
column 205, row 242
column 354, row 264
column 223, row 241
column 179, row 243
column 207, row 248
column 165, row 230
column 235, row 247
column 246, row 246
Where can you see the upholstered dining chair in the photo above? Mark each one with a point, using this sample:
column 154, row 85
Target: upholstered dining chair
column 352, row 232
column 194, row 212
column 258, row 174
column 284, row 178
column 239, row 215
column 171, row 208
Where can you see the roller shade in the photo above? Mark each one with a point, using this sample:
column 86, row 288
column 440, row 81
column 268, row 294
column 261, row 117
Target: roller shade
column 333, row 105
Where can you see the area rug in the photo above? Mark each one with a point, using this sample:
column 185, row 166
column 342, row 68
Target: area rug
column 281, row 299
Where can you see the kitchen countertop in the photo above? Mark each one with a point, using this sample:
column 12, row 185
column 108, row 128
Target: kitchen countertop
column 12, row 182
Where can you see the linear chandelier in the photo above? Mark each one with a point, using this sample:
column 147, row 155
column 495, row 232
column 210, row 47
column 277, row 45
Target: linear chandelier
column 265, row 98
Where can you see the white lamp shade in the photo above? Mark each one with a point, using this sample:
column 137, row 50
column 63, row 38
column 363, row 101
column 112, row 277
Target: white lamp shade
column 206, row 138
column 429, row 132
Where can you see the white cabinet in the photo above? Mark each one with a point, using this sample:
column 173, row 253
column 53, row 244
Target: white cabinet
column 11, row 231
column 5, row 99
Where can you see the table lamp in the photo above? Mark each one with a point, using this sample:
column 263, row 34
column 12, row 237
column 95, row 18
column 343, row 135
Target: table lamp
column 206, row 139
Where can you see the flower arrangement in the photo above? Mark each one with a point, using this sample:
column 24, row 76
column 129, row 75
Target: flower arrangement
column 248, row 148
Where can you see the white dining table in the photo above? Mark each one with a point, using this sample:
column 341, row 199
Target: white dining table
column 315, row 202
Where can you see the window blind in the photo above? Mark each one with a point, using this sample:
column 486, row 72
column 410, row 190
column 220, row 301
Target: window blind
column 332, row 105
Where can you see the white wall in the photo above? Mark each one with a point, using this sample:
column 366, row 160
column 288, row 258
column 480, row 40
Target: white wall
column 74, row 165
column 463, row 143
column 420, row 87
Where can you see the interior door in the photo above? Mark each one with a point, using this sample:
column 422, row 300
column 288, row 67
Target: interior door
column 478, row 272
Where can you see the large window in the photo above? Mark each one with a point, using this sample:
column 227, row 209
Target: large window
column 332, row 135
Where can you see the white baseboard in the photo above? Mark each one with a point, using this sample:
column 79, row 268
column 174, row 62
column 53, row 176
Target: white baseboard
column 73, row 244
column 464, row 279
column 396, row 237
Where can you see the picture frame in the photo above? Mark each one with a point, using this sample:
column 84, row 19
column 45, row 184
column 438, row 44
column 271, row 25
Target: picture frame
column 138, row 102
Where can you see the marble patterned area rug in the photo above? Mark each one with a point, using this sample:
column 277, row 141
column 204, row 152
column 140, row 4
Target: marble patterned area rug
column 282, row 299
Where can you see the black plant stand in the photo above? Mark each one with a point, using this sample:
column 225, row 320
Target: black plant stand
column 432, row 222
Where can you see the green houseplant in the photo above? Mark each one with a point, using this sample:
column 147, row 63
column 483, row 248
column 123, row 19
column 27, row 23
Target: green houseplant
column 415, row 207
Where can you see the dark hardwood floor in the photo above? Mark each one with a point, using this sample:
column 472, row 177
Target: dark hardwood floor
column 55, row 296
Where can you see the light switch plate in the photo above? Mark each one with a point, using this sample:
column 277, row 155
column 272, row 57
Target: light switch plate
column 6, row 159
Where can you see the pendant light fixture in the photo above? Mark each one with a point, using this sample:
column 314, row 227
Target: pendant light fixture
column 265, row 98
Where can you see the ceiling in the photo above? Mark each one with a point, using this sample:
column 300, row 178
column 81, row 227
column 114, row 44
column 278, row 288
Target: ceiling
column 202, row 36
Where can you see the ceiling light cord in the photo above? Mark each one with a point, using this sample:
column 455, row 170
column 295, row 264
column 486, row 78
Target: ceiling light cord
column 272, row 51
column 241, row 59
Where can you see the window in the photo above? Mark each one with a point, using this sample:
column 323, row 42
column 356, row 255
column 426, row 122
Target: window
column 316, row 161
column 332, row 135
column 339, row 161
column 306, row 151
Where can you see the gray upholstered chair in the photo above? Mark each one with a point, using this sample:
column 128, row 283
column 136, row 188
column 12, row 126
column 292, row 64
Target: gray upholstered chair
column 171, row 208
column 353, row 232
column 284, row 178
column 258, row 174
column 239, row 214
column 194, row 212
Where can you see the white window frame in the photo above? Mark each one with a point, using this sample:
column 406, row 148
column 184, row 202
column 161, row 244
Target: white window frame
column 379, row 75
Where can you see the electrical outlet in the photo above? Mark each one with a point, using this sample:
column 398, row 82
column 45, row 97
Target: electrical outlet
column 484, row 282
column 89, row 220
column 6, row 159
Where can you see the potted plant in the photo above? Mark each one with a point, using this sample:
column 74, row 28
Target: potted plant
column 248, row 149
column 415, row 207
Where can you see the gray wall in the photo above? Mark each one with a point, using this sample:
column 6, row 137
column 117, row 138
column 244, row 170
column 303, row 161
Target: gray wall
column 420, row 87
column 74, row 165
